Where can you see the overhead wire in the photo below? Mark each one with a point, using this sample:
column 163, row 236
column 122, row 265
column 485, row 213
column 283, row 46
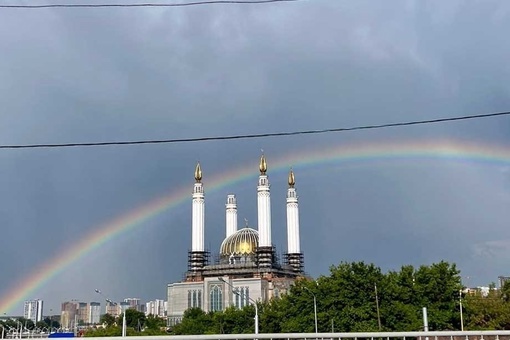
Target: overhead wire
column 152, row 4
column 259, row 135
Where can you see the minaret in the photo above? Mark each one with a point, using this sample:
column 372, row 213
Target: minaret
column 231, row 215
column 265, row 250
column 294, row 255
column 197, row 257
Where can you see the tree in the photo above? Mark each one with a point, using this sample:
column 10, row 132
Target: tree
column 347, row 296
column 154, row 322
column 26, row 323
column 134, row 319
column 108, row 320
column 347, row 299
column 50, row 323
column 195, row 321
column 437, row 287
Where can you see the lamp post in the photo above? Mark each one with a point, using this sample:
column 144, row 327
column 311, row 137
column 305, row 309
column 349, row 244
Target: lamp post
column 235, row 291
column 314, row 307
column 51, row 319
column 123, row 315
column 377, row 306
column 460, row 307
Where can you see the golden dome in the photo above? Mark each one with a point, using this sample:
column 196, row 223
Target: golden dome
column 292, row 179
column 198, row 173
column 263, row 165
column 243, row 242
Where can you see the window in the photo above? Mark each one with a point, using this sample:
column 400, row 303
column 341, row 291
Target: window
column 241, row 296
column 216, row 299
column 194, row 298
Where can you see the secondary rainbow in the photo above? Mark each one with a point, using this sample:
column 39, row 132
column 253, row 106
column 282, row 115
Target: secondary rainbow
column 450, row 150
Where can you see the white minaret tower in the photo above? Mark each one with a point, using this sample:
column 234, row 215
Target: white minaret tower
column 198, row 213
column 294, row 255
column 265, row 251
column 264, row 206
column 197, row 258
column 231, row 215
column 292, row 217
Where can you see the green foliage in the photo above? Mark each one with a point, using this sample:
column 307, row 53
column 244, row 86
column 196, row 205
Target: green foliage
column 195, row 321
column 108, row 320
column 134, row 319
column 487, row 312
column 41, row 325
column 26, row 323
column 137, row 324
column 103, row 332
column 347, row 301
column 54, row 324
column 153, row 322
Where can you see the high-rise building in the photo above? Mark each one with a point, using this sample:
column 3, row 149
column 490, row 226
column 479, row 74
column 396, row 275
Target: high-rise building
column 124, row 306
column 502, row 280
column 33, row 310
column 94, row 312
column 156, row 308
column 133, row 303
column 247, row 268
column 112, row 309
column 69, row 314
column 75, row 313
column 83, row 313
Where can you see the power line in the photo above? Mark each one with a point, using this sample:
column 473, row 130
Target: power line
column 258, row 135
column 195, row 3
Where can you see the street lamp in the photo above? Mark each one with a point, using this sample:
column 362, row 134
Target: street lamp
column 51, row 319
column 235, row 291
column 460, row 307
column 124, row 312
column 377, row 306
column 314, row 307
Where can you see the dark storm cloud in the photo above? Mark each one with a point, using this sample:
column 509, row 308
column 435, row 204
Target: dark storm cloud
column 83, row 75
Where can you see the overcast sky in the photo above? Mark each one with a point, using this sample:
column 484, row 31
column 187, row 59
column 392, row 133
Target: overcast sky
column 80, row 75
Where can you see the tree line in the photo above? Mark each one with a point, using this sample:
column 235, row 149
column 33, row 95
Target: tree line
column 23, row 324
column 137, row 323
column 353, row 297
column 359, row 297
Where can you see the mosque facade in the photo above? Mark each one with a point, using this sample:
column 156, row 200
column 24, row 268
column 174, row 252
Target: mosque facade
column 247, row 269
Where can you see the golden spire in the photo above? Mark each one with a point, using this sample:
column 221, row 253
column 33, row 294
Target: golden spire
column 263, row 165
column 292, row 179
column 198, row 173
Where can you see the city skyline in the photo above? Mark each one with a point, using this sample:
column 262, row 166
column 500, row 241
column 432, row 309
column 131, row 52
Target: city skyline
column 33, row 309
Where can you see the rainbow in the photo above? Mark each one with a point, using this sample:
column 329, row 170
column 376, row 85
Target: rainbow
column 449, row 150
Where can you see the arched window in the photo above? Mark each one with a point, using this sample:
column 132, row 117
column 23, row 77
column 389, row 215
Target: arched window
column 189, row 299
column 216, row 299
column 199, row 299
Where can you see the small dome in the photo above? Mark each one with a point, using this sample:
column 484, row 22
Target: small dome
column 243, row 242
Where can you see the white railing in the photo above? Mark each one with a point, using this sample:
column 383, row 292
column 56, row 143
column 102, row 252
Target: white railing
column 456, row 335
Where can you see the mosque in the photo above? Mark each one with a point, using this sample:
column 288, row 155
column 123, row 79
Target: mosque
column 247, row 268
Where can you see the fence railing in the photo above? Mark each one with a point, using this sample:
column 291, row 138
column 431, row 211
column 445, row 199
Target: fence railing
column 455, row 335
